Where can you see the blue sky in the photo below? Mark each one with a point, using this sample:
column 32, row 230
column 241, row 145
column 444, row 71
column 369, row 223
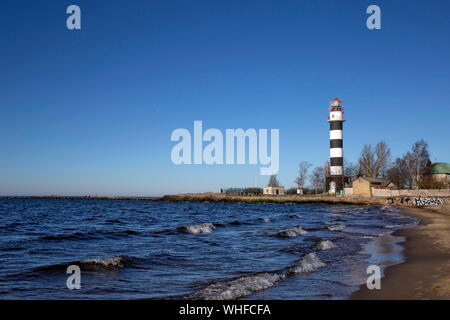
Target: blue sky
column 92, row 111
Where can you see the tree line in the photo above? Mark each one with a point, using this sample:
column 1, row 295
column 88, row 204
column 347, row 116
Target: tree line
column 410, row 171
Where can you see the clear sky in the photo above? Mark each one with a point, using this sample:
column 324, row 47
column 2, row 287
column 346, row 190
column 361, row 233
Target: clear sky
column 92, row 110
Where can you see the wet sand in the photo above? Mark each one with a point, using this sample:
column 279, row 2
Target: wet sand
column 426, row 272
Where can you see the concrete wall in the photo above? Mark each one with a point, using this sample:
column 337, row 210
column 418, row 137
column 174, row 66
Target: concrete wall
column 361, row 187
column 425, row 193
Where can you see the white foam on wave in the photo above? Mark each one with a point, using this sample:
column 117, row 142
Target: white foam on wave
column 265, row 219
column 292, row 232
column 325, row 245
column 309, row 263
column 247, row 285
column 110, row 262
column 238, row 288
column 336, row 227
column 392, row 226
column 203, row 228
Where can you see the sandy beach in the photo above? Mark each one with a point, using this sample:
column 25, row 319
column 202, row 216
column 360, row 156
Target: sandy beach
column 426, row 272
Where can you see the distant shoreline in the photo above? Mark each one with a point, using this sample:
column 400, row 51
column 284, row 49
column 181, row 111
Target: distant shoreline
column 224, row 198
column 217, row 197
column 285, row 199
column 83, row 197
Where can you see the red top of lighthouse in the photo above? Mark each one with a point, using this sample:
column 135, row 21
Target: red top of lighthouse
column 336, row 105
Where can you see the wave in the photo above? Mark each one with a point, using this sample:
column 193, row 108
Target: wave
column 203, row 228
column 113, row 221
column 116, row 262
column 336, row 227
column 218, row 224
column 90, row 235
column 325, row 245
column 335, row 215
column 108, row 263
column 309, row 263
column 393, row 226
column 238, row 288
column 11, row 225
column 317, row 228
column 245, row 222
column 248, row 285
column 291, row 232
column 72, row 236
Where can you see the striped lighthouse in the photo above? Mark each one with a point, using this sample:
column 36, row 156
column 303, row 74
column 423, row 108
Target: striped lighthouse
column 335, row 180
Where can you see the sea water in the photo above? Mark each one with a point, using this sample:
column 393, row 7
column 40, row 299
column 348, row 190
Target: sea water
column 139, row 249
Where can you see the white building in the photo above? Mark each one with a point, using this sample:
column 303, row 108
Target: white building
column 274, row 191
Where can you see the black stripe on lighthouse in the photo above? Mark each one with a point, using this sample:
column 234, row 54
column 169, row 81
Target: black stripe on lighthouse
column 336, row 143
column 335, row 125
column 336, row 162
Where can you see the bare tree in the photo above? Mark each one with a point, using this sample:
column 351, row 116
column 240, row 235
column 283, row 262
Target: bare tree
column 317, row 178
column 303, row 168
column 366, row 161
column 350, row 169
column 399, row 174
column 383, row 159
column 273, row 181
column 416, row 161
column 375, row 163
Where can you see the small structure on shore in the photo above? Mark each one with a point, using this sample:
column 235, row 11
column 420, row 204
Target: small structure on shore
column 363, row 185
column 274, row 191
column 440, row 171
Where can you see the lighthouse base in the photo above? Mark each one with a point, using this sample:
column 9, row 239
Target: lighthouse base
column 334, row 184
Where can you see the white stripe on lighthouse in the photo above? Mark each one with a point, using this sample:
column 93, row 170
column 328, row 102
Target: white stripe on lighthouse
column 336, row 153
column 335, row 134
column 335, row 170
column 336, row 115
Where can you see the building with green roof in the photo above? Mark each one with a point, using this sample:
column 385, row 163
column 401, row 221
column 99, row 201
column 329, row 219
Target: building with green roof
column 440, row 171
column 440, row 168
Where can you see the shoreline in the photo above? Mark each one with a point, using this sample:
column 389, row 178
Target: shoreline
column 84, row 197
column 223, row 198
column 425, row 273
column 285, row 199
column 403, row 201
